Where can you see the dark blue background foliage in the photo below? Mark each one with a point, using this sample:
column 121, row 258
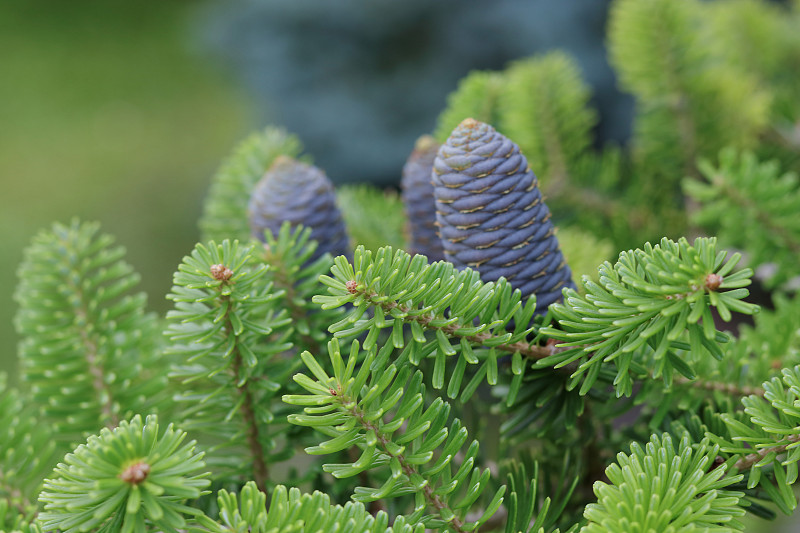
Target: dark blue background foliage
column 360, row 80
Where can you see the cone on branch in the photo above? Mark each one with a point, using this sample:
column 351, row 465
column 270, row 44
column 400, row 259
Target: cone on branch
column 491, row 215
column 417, row 194
column 301, row 194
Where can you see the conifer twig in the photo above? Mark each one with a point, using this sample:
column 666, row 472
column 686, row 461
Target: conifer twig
column 747, row 204
column 260, row 470
column 531, row 351
column 409, row 470
column 283, row 283
column 104, row 396
column 746, row 462
column 728, row 388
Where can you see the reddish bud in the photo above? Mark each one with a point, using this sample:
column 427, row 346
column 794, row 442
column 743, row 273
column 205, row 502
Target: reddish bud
column 136, row 473
column 713, row 282
column 221, row 272
column 352, row 286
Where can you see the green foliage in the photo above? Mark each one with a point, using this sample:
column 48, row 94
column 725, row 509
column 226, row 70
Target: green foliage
column 583, row 251
column 129, row 479
column 478, row 96
column 381, row 410
column 419, row 392
column 295, row 280
column 768, row 444
column 545, row 110
column 773, row 342
column 294, row 512
column 225, row 209
column 528, row 511
column 699, row 86
column 541, row 103
column 228, row 336
column 643, row 309
column 362, row 206
column 660, row 488
column 26, row 456
column 761, row 39
column 439, row 303
column 751, row 205
column 86, row 339
column 689, row 103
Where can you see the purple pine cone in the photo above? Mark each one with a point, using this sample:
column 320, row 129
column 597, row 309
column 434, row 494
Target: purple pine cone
column 491, row 215
column 301, row 194
column 417, row 194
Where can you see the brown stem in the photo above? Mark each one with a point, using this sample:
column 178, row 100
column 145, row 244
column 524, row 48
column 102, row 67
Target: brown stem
column 728, row 388
column 432, row 499
column 763, row 218
column 531, row 351
column 260, row 470
column 284, row 283
column 746, row 462
column 96, row 370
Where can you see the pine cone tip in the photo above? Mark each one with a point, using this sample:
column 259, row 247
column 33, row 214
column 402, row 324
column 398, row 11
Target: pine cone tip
column 283, row 161
column 469, row 122
column 425, row 143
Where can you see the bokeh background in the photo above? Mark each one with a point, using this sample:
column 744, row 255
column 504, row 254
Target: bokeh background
column 121, row 111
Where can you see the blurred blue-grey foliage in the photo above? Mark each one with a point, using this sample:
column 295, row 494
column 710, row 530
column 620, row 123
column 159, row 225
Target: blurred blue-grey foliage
column 360, row 80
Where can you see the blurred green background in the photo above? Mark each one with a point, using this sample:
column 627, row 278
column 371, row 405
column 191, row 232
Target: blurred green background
column 108, row 113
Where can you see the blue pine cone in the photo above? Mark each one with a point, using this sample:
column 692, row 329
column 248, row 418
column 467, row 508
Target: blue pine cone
column 417, row 195
column 491, row 215
column 302, row 194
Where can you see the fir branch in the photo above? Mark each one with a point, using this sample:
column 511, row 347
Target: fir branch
column 691, row 103
column 724, row 387
column 229, row 373
column 362, row 205
column 764, row 441
column 658, row 70
column 295, row 276
column 750, row 460
column 296, row 312
column 665, row 488
column 453, row 330
column 95, row 366
column 82, row 325
column 124, row 478
column 27, row 454
column 260, row 470
column 544, row 108
column 351, row 405
column 753, row 206
column 479, row 95
column 651, row 299
column 295, row 512
column 381, row 410
column 744, row 203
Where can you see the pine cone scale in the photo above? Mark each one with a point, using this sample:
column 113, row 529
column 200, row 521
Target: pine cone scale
column 417, row 194
column 300, row 194
column 491, row 215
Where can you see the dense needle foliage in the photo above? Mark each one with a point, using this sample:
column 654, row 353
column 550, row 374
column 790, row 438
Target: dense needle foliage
column 316, row 385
